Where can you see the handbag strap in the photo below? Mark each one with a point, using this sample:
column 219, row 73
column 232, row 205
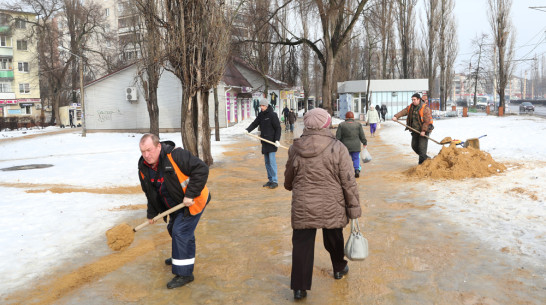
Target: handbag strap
column 354, row 226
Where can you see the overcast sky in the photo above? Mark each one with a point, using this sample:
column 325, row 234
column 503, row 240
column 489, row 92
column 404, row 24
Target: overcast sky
column 472, row 20
column 530, row 25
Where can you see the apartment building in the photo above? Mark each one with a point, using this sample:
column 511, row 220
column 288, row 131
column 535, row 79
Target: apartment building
column 19, row 77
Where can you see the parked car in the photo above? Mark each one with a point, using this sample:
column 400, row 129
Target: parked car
column 481, row 104
column 526, row 107
column 462, row 103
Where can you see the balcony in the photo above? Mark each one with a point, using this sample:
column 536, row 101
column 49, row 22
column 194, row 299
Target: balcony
column 6, row 75
column 5, row 30
column 6, row 52
column 7, row 95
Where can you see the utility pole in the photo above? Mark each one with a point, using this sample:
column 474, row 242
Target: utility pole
column 82, row 96
column 525, row 86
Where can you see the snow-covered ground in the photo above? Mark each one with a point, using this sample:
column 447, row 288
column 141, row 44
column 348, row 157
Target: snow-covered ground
column 506, row 211
column 39, row 229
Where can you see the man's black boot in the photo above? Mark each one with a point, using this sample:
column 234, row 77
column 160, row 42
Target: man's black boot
column 179, row 281
column 267, row 184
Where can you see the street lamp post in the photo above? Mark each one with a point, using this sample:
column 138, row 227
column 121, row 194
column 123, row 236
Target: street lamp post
column 82, row 95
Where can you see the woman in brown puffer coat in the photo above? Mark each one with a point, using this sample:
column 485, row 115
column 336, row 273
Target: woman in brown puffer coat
column 320, row 174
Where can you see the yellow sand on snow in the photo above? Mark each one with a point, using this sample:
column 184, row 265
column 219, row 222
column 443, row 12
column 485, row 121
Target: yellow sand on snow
column 457, row 163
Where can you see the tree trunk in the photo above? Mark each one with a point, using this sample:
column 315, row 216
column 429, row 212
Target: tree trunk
column 327, row 83
column 205, row 130
column 187, row 124
column 153, row 113
column 216, row 120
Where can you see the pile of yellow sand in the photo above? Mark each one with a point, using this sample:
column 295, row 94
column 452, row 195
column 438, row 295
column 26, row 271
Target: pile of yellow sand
column 457, row 163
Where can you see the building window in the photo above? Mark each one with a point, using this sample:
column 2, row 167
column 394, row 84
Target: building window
column 23, row 67
column 26, row 110
column 21, row 45
column 5, row 64
column 4, row 19
column 20, row 24
column 5, row 41
column 24, row 88
column 107, row 12
column 5, row 87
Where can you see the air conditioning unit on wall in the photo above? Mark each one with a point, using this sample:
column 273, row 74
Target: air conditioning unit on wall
column 131, row 94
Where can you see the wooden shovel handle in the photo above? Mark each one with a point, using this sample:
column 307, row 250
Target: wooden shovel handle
column 167, row 212
column 415, row 130
column 260, row 138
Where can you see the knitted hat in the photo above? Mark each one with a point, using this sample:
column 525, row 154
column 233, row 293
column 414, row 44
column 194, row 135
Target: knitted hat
column 264, row 101
column 317, row 118
column 349, row 115
column 416, row 95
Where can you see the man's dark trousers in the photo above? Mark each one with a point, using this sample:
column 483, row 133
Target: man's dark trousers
column 419, row 145
column 181, row 228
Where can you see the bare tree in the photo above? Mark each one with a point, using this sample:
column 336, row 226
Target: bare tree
column 371, row 42
column 152, row 58
column 197, row 43
column 406, row 34
column 479, row 44
column 259, row 55
column 447, row 48
column 305, row 53
column 82, row 22
column 430, row 42
column 337, row 22
column 383, row 21
column 503, row 39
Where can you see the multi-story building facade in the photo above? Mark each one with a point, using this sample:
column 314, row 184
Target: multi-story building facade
column 19, row 77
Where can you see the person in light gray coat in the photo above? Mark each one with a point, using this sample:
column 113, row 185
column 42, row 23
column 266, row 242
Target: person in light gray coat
column 319, row 173
column 372, row 118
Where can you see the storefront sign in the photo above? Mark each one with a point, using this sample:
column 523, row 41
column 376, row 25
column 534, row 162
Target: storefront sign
column 26, row 105
column 8, row 101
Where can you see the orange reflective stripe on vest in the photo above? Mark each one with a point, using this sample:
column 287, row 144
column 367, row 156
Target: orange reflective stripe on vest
column 421, row 112
column 199, row 201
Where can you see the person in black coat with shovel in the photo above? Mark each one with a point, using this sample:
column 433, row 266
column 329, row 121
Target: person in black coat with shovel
column 162, row 168
column 270, row 128
column 419, row 118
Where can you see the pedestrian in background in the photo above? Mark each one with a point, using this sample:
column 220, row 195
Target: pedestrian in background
column 372, row 118
column 352, row 134
column 285, row 112
column 383, row 111
column 324, row 197
column 292, row 117
column 270, row 129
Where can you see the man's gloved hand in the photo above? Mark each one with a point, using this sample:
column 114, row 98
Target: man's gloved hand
column 246, row 131
column 277, row 143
